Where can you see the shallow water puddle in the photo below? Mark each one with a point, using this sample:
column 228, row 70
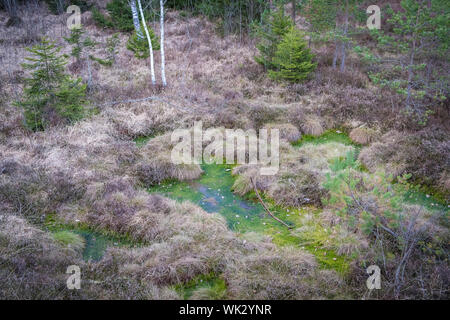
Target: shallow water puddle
column 95, row 244
column 212, row 192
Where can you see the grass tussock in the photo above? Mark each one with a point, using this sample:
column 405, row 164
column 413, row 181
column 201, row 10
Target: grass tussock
column 424, row 154
column 156, row 165
column 363, row 135
column 301, row 174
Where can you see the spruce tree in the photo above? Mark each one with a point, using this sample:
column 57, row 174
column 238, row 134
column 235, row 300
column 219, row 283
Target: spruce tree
column 140, row 46
column 49, row 93
column 79, row 43
column 275, row 25
column 293, row 59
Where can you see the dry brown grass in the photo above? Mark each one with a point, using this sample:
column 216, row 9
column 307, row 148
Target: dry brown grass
column 287, row 131
column 156, row 163
column 424, row 154
column 32, row 263
column 363, row 135
column 265, row 277
column 312, row 125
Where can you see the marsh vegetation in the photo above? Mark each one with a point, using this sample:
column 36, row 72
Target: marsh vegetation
column 87, row 178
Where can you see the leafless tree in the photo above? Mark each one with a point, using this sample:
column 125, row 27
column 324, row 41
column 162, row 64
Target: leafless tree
column 152, row 67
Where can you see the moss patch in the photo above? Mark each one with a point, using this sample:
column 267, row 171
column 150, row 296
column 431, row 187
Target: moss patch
column 327, row 136
column 204, row 287
column 92, row 242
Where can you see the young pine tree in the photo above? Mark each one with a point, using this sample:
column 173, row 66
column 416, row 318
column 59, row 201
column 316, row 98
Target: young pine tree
column 50, row 94
column 293, row 59
column 79, row 43
column 275, row 25
column 140, row 45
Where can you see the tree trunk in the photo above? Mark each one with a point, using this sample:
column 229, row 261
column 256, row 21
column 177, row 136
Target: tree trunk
column 163, row 59
column 137, row 24
column 344, row 43
column 293, row 11
column 336, row 44
column 410, row 74
column 152, row 67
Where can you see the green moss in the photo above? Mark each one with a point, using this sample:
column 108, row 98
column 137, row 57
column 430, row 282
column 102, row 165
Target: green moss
column 327, row 136
column 426, row 197
column 142, row 140
column 69, row 239
column 207, row 287
column 95, row 242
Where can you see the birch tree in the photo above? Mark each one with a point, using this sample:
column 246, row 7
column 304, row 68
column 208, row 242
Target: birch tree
column 137, row 24
column 152, row 67
column 163, row 60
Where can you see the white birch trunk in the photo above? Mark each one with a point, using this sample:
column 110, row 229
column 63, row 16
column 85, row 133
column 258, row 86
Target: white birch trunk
column 163, row 59
column 137, row 24
column 152, row 67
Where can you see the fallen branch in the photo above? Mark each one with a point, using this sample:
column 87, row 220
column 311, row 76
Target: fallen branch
column 108, row 104
column 266, row 208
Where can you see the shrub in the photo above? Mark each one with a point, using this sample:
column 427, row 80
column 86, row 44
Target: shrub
column 293, row 59
column 50, row 93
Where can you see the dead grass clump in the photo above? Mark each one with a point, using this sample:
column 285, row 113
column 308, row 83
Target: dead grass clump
column 424, row 154
column 263, row 114
column 312, row 125
column 297, row 189
column 379, row 107
column 33, row 264
column 353, row 78
column 287, row 131
column 284, row 275
column 363, row 135
column 156, row 163
column 140, row 119
column 232, row 116
column 11, row 122
column 30, row 191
